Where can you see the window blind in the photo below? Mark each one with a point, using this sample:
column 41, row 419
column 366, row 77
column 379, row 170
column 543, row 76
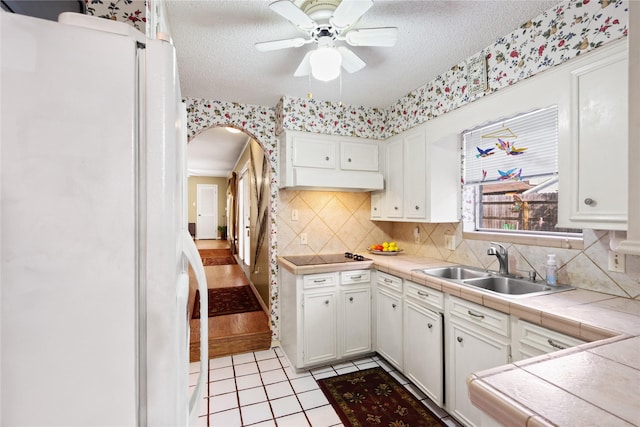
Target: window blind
column 515, row 149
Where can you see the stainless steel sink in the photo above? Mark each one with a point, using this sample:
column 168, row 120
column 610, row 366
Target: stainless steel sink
column 513, row 286
column 493, row 282
column 456, row 272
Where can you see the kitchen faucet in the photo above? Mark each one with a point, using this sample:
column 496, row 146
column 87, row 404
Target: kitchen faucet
column 503, row 257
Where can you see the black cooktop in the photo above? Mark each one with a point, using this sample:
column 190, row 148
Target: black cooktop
column 302, row 260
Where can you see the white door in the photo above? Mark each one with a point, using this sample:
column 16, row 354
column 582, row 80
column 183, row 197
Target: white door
column 319, row 326
column 207, row 206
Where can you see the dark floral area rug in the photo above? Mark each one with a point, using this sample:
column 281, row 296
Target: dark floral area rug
column 233, row 300
column 374, row 398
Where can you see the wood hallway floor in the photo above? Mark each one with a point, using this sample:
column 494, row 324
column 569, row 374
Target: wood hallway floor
column 233, row 333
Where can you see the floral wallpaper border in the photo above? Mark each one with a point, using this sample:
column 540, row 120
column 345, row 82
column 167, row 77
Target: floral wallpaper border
column 570, row 29
column 132, row 12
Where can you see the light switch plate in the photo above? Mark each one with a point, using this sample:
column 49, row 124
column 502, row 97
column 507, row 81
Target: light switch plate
column 616, row 262
column 294, row 214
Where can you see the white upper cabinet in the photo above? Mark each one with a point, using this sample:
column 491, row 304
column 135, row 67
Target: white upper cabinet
column 596, row 165
column 311, row 161
column 314, row 152
column 415, row 172
column 422, row 178
column 394, row 173
column 359, row 156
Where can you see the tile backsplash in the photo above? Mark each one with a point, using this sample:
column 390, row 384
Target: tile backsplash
column 339, row 221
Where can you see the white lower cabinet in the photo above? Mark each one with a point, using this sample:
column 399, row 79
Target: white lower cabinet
column 423, row 349
column 389, row 318
column 325, row 317
column 319, row 316
column 355, row 314
column 478, row 339
column 532, row 340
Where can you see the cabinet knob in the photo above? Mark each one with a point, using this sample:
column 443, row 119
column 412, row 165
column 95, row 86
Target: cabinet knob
column 350, row 299
column 459, row 339
column 393, row 305
column 327, row 302
column 327, row 158
column 375, row 209
column 417, row 208
column 349, row 160
column 429, row 325
column 395, row 207
column 589, row 201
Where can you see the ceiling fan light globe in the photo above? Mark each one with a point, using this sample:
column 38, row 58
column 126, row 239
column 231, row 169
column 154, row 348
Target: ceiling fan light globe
column 325, row 63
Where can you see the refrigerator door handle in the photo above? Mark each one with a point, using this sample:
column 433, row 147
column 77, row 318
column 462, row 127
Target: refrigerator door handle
column 193, row 256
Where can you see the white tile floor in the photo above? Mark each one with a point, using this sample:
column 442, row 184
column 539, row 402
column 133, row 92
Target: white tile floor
column 261, row 389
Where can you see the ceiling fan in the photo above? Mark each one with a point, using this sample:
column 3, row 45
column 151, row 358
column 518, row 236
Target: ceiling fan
column 326, row 22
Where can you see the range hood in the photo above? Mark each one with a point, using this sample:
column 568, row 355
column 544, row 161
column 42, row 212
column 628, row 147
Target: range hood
column 334, row 180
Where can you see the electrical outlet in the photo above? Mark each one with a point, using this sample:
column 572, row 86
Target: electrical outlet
column 294, row 214
column 616, row 262
column 450, row 242
column 303, row 238
column 416, row 235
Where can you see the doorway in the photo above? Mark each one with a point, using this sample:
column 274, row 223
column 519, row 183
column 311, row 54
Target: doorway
column 207, row 208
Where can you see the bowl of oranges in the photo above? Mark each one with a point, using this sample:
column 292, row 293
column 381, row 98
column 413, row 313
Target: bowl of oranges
column 385, row 248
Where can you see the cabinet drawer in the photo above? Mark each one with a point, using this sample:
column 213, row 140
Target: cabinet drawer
column 543, row 339
column 389, row 281
column 424, row 296
column 489, row 319
column 355, row 276
column 321, row 280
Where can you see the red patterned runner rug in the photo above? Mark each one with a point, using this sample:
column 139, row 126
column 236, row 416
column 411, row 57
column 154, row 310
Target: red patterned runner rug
column 237, row 299
column 374, row 398
column 216, row 257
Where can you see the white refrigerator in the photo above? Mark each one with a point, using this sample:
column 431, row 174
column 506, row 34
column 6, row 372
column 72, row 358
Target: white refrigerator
column 94, row 243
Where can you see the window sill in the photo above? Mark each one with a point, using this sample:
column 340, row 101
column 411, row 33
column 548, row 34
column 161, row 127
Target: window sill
column 522, row 239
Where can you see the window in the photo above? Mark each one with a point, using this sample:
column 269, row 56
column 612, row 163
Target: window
column 510, row 175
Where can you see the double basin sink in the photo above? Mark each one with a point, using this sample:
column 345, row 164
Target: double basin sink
column 511, row 286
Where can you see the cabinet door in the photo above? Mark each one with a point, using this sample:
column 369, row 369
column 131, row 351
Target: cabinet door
column 394, row 171
column 471, row 351
column 356, row 321
column 423, row 350
column 389, row 327
column 319, row 327
column 599, row 135
column 314, row 152
column 415, row 170
column 359, row 156
column 376, row 205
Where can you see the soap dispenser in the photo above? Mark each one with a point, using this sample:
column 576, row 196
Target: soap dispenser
column 552, row 270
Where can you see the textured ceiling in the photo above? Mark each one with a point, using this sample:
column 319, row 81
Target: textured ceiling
column 217, row 59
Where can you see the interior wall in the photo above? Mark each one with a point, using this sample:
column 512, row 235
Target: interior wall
column 192, row 197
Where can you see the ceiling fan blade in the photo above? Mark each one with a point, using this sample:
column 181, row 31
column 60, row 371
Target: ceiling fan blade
column 281, row 44
column 348, row 12
column 290, row 11
column 304, row 69
column 350, row 61
column 383, row 36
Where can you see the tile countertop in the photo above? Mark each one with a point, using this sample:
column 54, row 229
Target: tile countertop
column 597, row 383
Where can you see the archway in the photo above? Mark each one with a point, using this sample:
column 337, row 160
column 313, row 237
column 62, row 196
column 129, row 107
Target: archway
column 259, row 123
